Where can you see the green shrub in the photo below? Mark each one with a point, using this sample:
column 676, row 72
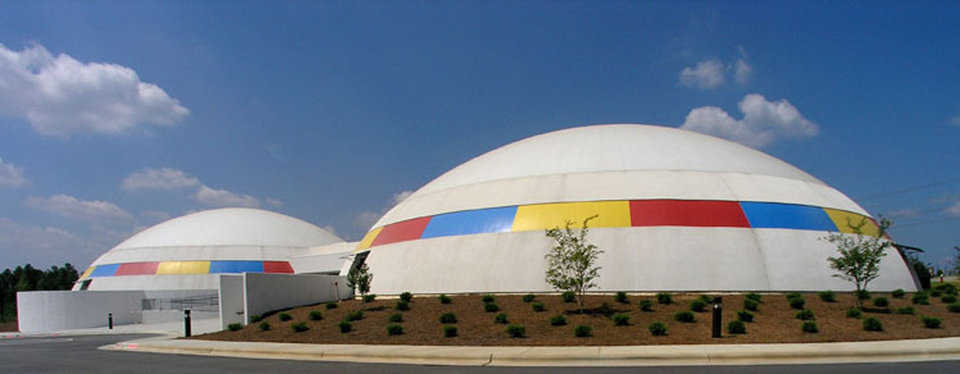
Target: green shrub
column 444, row 299
column 698, row 306
column 872, row 324
column 345, row 327
column 528, row 297
column 354, row 316
column 369, row 298
column 749, row 304
column 685, row 316
column 810, row 327
column 284, row 317
column 935, row 293
column 955, row 307
column 331, row 305
column 881, row 302
column 947, row 299
column 500, row 318
column 906, row 310
column 745, row 316
column 558, row 320
column 706, row 299
column 491, row 308
column 538, row 307
column 515, row 331
column 449, row 331
column 299, row 327
column 395, row 318
column 797, row 303
column 264, row 326
column 621, row 319
column 582, row 331
column 827, row 296
column 235, row 326
column 931, row 322
column 402, row 305
column 793, row 295
column 664, row 298
column 754, row 296
column 737, row 327
column 621, row 297
column 920, row 298
column 862, row 294
column 646, row 305
column 949, row 289
column 805, row 315
column 569, row 297
column 658, row 329
column 487, row 298
column 854, row 313
column 448, row 318
column 898, row 293
column 406, row 296
column 315, row 315
column 394, row 329
column 256, row 318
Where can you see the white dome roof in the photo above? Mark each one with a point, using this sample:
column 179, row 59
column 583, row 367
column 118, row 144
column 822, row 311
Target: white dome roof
column 614, row 148
column 231, row 227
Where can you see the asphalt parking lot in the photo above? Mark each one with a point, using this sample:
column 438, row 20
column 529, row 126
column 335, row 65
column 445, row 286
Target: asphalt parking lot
column 79, row 354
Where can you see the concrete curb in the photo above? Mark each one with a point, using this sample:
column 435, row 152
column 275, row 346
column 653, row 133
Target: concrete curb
column 662, row 355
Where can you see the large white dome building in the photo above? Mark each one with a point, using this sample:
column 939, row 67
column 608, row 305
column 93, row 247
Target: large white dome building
column 677, row 211
column 189, row 252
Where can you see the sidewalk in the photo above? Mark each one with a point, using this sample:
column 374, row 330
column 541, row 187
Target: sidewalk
column 663, row 355
column 172, row 329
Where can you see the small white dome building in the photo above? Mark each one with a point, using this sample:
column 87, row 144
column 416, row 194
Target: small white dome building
column 188, row 252
column 677, row 210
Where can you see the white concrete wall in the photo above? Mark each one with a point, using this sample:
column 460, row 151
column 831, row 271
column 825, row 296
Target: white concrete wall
column 231, row 300
column 268, row 292
column 46, row 311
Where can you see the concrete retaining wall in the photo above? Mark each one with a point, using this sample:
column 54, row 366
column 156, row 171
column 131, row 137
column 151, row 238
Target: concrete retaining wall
column 47, row 311
column 231, row 300
column 268, row 292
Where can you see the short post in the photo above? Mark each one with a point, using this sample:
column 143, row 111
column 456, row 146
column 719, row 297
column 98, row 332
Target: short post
column 186, row 323
column 717, row 318
column 110, row 321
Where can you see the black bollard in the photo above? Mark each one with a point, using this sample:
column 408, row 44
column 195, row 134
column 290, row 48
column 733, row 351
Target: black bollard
column 110, row 321
column 717, row 320
column 186, row 323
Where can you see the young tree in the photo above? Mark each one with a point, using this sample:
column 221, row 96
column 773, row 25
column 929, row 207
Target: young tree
column 570, row 262
column 956, row 260
column 359, row 279
column 860, row 254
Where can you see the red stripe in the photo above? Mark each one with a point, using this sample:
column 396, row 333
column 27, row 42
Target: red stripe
column 277, row 267
column 402, row 231
column 137, row 268
column 687, row 213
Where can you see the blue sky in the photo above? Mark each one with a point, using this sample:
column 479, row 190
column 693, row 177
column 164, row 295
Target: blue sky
column 117, row 115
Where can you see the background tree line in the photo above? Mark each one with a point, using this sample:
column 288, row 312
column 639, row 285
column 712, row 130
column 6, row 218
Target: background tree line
column 28, row 278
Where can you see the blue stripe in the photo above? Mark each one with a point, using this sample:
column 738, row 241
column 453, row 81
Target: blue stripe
column 471, row 222
column 236, row 267
column 787, row 216
column 104, row 270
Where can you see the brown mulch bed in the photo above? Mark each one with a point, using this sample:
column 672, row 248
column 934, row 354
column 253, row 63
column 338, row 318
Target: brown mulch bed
column 774, row 322
column 9, row 326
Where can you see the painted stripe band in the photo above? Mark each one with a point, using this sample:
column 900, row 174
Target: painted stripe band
column 187, row 267
column 621, row 213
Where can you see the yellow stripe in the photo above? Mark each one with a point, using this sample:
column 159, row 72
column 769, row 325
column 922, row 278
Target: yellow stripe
column 545, row 216
column 184, row 267
column 87, row 272
column 846, row 220
column 368, row 239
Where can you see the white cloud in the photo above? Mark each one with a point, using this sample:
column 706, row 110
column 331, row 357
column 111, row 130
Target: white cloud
column 11, row 175
column 954, row 210
column 707, row 74
column 366, row 219
column 223, row 198
column 742, row 70
column 276, row 203
column 42, row 245
column 155, row 216
column 159, row 179
column 71, row 207
column 955, row 121
column 59, row 95
column 764, row 122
